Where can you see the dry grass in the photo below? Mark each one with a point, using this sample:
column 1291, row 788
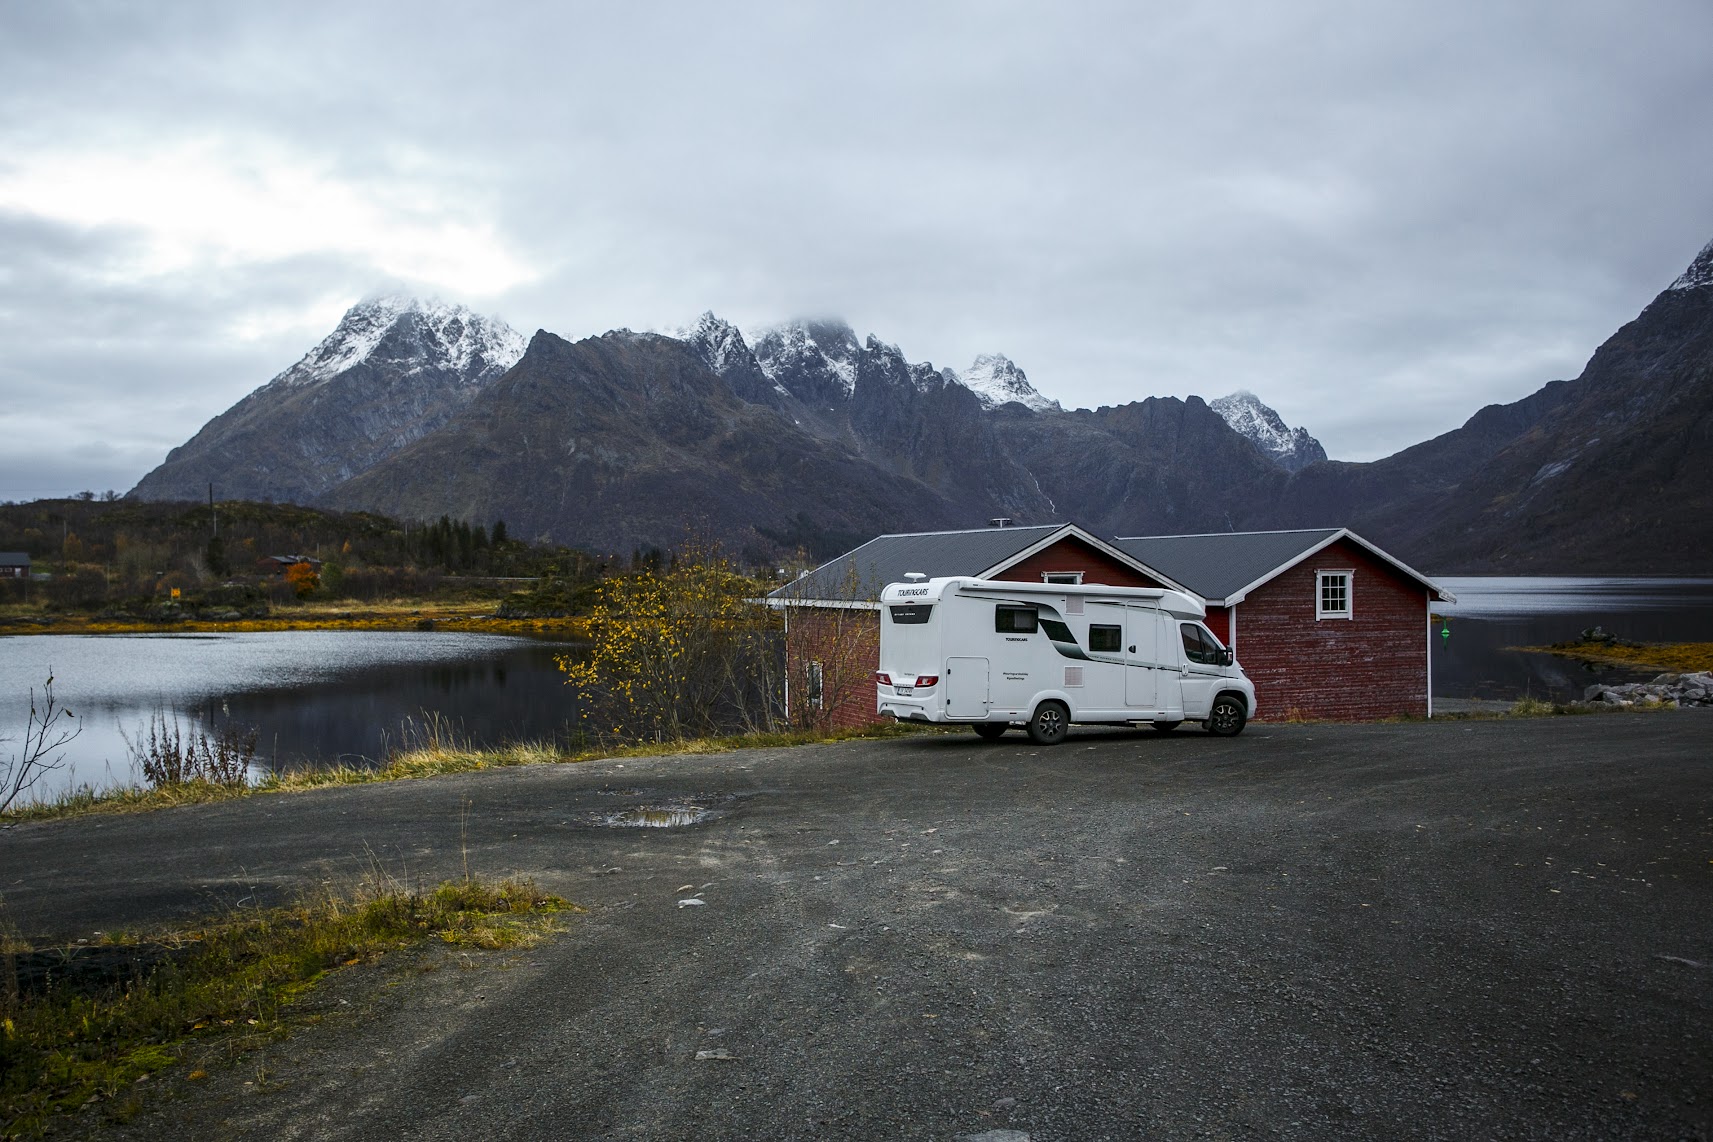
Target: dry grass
column 1670, row 657
column 441, row 753
column 199, row 995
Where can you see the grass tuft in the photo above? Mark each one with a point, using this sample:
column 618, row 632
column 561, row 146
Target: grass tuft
column 1672, row 658
column 218, row 989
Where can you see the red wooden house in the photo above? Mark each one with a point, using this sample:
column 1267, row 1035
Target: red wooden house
column 1326, row 624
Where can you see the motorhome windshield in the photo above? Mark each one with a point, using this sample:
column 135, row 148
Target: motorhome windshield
column 1200, row 645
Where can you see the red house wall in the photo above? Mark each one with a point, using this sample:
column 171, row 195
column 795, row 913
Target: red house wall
column 1219, row 622
column 1072, row 554
column 1371, row 665
column 847, row 645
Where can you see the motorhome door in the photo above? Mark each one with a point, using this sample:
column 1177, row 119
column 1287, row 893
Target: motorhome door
column 1202, row 668
column 1141, row 678
column 966, row 687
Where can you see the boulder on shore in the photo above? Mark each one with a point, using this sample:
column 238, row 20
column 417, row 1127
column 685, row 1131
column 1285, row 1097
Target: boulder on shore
column 1665, row 689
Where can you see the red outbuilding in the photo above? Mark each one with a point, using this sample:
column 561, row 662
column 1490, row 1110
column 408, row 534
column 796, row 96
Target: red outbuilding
column 1323, row 622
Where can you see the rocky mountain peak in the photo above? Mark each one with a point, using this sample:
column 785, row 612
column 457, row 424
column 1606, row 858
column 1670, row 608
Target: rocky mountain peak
column 1290, row 448
column 1699, row 275
column 815, row 360
column 717, row 341
column 411, row 334
column 996, row 380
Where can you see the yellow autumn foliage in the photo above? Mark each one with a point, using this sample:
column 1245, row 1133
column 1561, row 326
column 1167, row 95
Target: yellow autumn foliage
column 679, row 654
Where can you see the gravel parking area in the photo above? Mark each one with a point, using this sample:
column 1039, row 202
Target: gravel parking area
column 1476, row 929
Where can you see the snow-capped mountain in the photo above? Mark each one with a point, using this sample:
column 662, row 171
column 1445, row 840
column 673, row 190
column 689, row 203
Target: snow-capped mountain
column 1290, row 448
column 815, row 360
column 394, row 369
column 1699, row 275
column 996, row 380
column 411, row 335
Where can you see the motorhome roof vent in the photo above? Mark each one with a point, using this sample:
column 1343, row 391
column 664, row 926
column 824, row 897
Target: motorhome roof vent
column 914, row 576
column 999, row 521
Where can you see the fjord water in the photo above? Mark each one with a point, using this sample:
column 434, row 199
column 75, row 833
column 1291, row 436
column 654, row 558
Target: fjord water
column 1494, row 615
column 316, row 698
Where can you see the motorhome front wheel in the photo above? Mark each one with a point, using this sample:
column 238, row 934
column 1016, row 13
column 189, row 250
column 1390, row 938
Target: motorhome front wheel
column 1050, row 724
column 1227, row 717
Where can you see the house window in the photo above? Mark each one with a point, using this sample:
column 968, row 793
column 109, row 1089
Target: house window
column 1014, row 620
column 814, row 687
column 1072, row 577
column 1332, row 594
column 1105, row 638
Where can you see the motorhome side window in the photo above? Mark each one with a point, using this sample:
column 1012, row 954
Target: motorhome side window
column 1014, row 620
column 913, row 615
column 1199, row 645
column 1105, row 637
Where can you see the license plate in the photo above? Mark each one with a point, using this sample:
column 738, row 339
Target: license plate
column 905, row 691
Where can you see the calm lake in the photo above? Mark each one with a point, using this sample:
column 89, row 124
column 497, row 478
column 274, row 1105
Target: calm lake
column 315, row 697
column 321, row 697
column 1494, row 614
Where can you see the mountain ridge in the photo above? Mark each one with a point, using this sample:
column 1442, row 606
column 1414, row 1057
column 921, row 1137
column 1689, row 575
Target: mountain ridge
column 805, row 435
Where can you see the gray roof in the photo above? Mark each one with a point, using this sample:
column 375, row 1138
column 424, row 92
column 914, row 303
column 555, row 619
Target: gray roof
column 1223, row 564
column 15, row 558
column 858, row 576
column 1218, row 566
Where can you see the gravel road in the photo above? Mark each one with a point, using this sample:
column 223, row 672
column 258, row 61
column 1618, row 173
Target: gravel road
column 1488, row 929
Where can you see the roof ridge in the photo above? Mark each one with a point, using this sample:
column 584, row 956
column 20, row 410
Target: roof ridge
column 967, row 530
column 1210, row 534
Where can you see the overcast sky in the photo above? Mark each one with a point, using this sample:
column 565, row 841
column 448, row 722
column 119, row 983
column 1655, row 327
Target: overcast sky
column 1376, row 217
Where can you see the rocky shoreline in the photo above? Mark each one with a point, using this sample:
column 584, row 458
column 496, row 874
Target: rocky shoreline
column 1664, row 690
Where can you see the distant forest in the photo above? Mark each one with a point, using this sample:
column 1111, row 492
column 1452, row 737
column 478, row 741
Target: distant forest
column 95, row 550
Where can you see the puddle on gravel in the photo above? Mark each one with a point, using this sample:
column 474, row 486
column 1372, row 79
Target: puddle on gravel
column 657, row 817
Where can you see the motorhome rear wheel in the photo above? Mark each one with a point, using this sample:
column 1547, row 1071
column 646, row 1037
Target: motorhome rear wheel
column 1166, row 727
column 1052, row 721
column 990, row 730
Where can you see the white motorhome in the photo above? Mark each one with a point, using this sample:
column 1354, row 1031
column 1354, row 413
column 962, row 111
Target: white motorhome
column 996, row 654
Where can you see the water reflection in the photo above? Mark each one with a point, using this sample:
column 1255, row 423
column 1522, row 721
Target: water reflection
column 657, row 818
column 315, row 697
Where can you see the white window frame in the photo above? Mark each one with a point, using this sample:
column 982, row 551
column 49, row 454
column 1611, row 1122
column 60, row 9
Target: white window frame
column 1071, row 578
column 1320, row 580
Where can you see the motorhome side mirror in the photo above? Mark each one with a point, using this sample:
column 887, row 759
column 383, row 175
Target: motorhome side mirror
column 1225, row 657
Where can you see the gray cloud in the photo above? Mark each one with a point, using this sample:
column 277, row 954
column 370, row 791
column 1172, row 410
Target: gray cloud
column 1378, row 221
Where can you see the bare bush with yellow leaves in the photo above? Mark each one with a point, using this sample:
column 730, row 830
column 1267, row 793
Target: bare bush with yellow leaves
column 680, row 653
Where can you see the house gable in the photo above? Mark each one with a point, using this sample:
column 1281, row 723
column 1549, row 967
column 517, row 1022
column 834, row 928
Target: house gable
column 855, row 579
column 1371, row 664
column 1071, row 553
column 1225, row 567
